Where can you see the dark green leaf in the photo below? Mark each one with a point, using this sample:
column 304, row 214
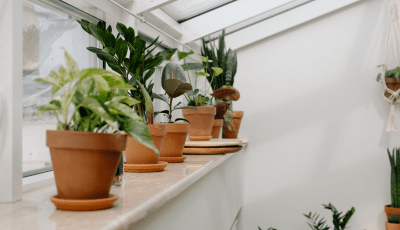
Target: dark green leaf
column 182, row 55
column 172, row 71
column 175, row 87
column 121, row 49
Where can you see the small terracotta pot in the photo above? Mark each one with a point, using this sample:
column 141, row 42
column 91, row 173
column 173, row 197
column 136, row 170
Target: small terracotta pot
column 216, row 129
column 232, row 121
column 137, row 153
column 392, row 84
column 389, row 210
column 174, row 140
column 201, row 121
column 390, row 226
column 84, row 163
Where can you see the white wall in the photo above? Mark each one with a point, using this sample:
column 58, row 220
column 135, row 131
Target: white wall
column 317, row 120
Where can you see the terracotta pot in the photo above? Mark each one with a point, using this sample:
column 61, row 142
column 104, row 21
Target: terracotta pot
column 391, row 84
column 390, row 226
column 216, row 129
column 389, row 210
column 84, row 163
column 137, row 153
column 232, row 121
column 201, row 121
column 174, row 140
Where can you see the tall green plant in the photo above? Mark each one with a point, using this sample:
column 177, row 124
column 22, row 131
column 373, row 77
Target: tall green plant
column 128, row 55
column 96, row 108
column 226, row 60
column 394, row 159
column 339, row 221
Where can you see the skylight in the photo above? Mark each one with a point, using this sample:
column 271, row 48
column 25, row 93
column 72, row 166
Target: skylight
column 183, row 10
column 269, row 14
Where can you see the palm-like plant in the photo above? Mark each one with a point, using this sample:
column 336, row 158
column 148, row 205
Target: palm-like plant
column 226, row 60
column 339, row 221
column 128, row 55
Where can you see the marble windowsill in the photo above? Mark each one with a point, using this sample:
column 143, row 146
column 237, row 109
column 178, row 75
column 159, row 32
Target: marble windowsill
column 141, row 194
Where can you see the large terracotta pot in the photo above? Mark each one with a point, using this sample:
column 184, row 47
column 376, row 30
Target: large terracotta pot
column 390, row 226
column 174, row 140
column 216, row 129
column 389, row 210
column 201, row 121
column 137, row 153
column 84, row 163
column 232, row 121
column 392, row 84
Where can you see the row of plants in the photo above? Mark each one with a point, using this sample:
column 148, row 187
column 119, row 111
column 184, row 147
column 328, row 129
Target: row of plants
column 112, row 112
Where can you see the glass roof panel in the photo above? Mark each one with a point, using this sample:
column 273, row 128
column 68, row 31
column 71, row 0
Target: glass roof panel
column 262, row 17
column 183, row 10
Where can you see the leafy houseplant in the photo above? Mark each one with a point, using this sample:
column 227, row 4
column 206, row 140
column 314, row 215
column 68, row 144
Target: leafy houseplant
column 339, row 221
column 174, row 83
column 391, row 78
column 130, row 56
column 81, row 140
column 393, row 222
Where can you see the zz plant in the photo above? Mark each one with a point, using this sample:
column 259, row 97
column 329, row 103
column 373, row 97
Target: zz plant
column 339, row 221
column 173, row 81
column 128, row 55
column 95, row 107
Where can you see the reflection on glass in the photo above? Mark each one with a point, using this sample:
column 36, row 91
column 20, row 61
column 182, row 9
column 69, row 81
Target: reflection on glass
column 45, row 31
column 185, row 9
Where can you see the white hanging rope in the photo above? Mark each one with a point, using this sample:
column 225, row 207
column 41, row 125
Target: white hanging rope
column 394, row 99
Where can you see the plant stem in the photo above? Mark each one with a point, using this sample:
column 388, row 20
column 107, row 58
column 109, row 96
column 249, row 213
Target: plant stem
column 170, row 110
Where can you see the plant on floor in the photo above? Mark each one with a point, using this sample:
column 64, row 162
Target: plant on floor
column 394, row 219
column 128, row 55
column 96, row 108
column 339, row 221
column 173, row 81
column 394, row 159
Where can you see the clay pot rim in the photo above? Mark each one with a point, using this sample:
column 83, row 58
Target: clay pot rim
column 178, row 127
column 85, row 132
column 218, row 122
column 157, row 129
column 236, row 114
column 209, row 110
column 391, row 80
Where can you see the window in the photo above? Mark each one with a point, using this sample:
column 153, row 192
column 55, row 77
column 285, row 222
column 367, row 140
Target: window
column 48, row 25
column 183, row 10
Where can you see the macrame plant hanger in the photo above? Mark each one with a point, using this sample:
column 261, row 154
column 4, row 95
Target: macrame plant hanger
column 394, row 99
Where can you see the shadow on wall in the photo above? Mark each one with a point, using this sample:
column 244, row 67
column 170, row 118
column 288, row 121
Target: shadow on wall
column 277, row 186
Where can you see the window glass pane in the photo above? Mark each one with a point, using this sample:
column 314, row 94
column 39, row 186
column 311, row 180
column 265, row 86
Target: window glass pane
column 182, row 10
column 45, row 31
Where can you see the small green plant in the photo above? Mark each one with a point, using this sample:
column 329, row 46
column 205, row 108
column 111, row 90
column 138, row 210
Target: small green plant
column 339, row 221
column 394, row 159
column 394, row 73
column 394, row 219
column 95, row 107
column 173, row 81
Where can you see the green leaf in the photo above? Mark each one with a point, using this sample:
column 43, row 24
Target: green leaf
column 139, row 131
column 172, row 71
column 160, row 97
column 125, row 99
column 193, row 66
column 121, row 29
column 155, row 40
column 148, row 103
column 193, row 93
column 182, row 55
column 122, row 109
column 96, row 107
column 99, row 34
column 149, row 74
column 72, row 66
column 109, row 29
column 175, row 88
column 109, row 50
column 202, row 74
column 47, row 108
column 121, row 49
column 204, row 59
column 217, row 71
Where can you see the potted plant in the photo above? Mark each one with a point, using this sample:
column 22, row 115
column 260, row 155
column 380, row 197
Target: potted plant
column 128, row 55
column 228, row 62
column 339, row 221
column 391, row 78
column 394, row 159
column 393, row 222
column 173, row 81
column 84, row 156
column 202, row 119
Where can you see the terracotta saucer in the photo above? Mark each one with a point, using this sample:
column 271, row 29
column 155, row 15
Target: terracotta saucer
column 215, row 143
column 212, row 150
column 172, row 159
column 84, row 205
column 139, row 168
